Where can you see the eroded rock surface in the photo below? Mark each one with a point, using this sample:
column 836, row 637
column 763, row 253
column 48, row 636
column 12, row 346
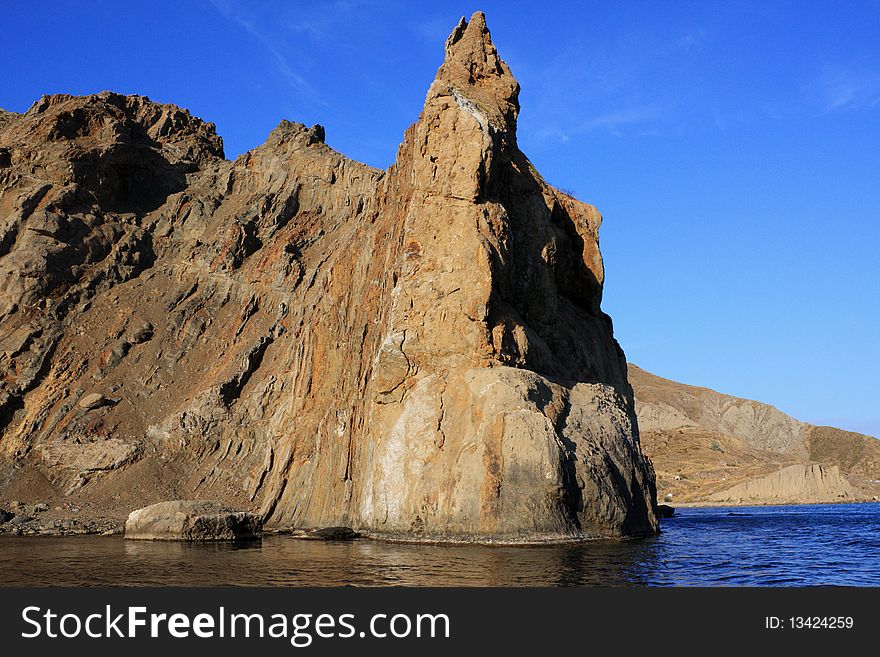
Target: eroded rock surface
column 415, row 353
column 791, row 485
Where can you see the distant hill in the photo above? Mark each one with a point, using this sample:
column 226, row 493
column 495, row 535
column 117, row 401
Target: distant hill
column 715, row 448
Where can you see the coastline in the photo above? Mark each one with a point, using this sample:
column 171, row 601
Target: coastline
column 754, row 503
column 780, row 546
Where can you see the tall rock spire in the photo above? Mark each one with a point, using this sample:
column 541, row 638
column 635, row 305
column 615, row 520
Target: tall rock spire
column 474, row 72
column 501, row 406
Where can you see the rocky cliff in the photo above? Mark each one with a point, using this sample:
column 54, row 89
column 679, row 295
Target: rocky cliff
column 712, row 447
column 418, row 353
column 791, row 485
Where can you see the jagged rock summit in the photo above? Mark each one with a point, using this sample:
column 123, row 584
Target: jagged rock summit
column 418, row 353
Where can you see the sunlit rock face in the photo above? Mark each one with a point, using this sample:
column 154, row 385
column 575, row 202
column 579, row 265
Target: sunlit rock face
column 417, row 353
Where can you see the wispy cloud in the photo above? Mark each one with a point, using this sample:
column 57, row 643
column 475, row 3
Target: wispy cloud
column 611, row 89
column 841, row 89
column 305, row 27
column 612, row 121
column 238, row 14
column 319, row 22
column 692, row 39
column 432, row 31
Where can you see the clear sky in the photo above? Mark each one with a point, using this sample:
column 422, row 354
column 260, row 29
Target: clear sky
column 733, row 148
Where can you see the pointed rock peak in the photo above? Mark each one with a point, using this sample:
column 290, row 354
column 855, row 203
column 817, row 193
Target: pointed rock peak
column 476, row 28
column 473, row 70
column 455, row 37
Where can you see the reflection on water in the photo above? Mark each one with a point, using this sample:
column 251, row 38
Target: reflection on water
column 284, row 561
column 758, row 546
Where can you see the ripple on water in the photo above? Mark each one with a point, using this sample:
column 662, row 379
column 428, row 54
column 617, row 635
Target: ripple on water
column 759, row 546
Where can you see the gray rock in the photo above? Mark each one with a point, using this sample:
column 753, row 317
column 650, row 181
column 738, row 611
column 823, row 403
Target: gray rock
column 192, row 520
column 119, row 351
column 665, row 511
column 142, row 334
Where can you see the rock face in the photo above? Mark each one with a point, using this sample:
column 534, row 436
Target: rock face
column 704, row 444
column 189, row 520
column 791, row 485
column 417, row 353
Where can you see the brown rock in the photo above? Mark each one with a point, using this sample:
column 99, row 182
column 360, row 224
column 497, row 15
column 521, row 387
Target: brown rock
column 105, row 454
column 93, row 400
column 415, row 353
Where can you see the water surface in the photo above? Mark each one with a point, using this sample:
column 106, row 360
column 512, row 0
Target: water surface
column 756, row 546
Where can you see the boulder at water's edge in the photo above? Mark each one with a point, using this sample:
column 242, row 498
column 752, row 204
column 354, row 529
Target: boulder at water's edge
column 192, row 520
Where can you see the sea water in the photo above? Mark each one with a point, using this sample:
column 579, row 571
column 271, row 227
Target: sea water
column 743, row 546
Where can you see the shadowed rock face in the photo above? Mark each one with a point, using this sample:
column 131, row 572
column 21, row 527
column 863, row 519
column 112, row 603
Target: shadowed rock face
column 417, row 353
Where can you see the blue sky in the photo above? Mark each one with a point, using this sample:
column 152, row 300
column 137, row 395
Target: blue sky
column 733, row 148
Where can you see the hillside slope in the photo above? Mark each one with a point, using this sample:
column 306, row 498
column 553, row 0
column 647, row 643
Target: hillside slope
column 711, row 447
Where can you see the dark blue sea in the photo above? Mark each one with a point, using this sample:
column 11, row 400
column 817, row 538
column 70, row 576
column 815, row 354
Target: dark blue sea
column 745, row 546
